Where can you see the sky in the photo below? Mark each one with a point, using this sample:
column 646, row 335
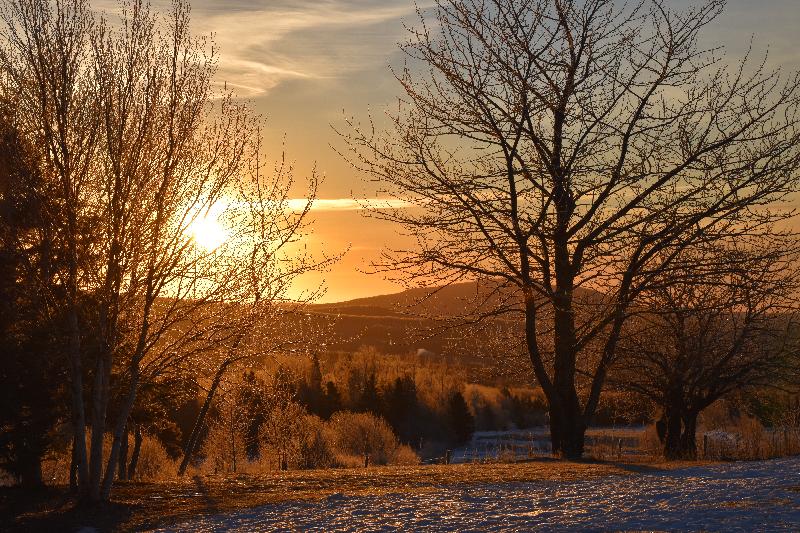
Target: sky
column 307, row 64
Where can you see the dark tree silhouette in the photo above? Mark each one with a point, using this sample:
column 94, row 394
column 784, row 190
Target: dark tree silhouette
column 461, row 421
column 566, row 153
column 401, row 408
column 712, row 334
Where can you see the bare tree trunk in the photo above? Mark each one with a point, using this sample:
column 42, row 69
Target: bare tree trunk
column 122, row 468
column 79, row 455
column 688, row 442
column 567, row 429
column 99, row 406
column 73, row 468
column 137, row 448
column 672, row 436
column 233, row 446
column 31, row 475
column 119, row 432
column 194, row 437
column 567, row 416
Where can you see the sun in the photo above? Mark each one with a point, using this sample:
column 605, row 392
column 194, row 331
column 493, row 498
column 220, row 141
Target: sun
column 207, row 232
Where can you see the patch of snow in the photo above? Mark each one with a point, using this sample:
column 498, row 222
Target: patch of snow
column 745, row 496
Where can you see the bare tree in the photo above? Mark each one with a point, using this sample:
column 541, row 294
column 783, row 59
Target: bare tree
column 172, row 150
column 568, row 151
column 43, row 56
column 141, row 143
column 703, row 335
column 227, row 441
column 268, row 257
column 283, row 421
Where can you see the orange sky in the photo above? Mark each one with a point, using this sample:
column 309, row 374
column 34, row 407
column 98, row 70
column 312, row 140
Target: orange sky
column 305, row 63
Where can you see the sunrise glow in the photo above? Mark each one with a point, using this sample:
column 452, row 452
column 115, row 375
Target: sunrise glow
column 207, row 232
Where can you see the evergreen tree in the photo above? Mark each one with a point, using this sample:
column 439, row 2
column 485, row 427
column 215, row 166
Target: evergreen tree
column 400, row 408
column 369, row 398
column 331, row 401
column 310, row 393
column 31, row 327
column 461, row 421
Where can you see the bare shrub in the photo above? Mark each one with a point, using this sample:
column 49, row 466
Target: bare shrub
column 225, row 445
column 55, row 467
column 154, row 463
column 650, row 445
column 360, row 436
column 282, row 431
column 314, row 448
column 405, row 456
column 744, row 438
column 486, row 405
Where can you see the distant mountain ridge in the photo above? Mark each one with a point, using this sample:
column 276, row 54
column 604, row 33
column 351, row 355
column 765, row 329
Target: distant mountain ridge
column 429, row 302
column 450, row 300
column 398, row 322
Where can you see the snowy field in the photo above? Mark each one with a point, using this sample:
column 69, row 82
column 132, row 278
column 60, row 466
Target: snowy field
column 747, row 496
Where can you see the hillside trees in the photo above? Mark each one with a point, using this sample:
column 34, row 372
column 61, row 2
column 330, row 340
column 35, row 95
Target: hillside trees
column 569, row 153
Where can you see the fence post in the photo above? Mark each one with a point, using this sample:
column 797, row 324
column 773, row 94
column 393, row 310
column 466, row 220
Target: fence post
column 705, row 446
column 447, row 457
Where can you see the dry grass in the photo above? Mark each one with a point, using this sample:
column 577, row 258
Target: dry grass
column 137, row 506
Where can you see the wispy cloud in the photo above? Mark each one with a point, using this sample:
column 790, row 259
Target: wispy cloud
column 266, row 42
column 348, row 204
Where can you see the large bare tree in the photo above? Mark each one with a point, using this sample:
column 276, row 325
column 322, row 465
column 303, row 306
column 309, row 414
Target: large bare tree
column 569, row 151
column 172, row 149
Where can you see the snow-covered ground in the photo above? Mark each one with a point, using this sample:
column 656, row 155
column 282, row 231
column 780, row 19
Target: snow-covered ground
column 746, row 496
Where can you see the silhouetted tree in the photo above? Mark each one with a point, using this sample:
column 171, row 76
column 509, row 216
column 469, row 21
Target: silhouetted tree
column 368, row 398
column 33, row 326
column 331, row 400
column 460, row 419
column 401, row 408
column 310, row 393
column 713, row 334
column 565, row 153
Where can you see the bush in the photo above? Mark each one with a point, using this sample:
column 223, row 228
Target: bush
column 356, row 435
column 405, row 456
column 487, row 405
column 314, row 448
column 154, row 463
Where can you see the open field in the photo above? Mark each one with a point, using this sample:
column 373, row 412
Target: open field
column 164, row 505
